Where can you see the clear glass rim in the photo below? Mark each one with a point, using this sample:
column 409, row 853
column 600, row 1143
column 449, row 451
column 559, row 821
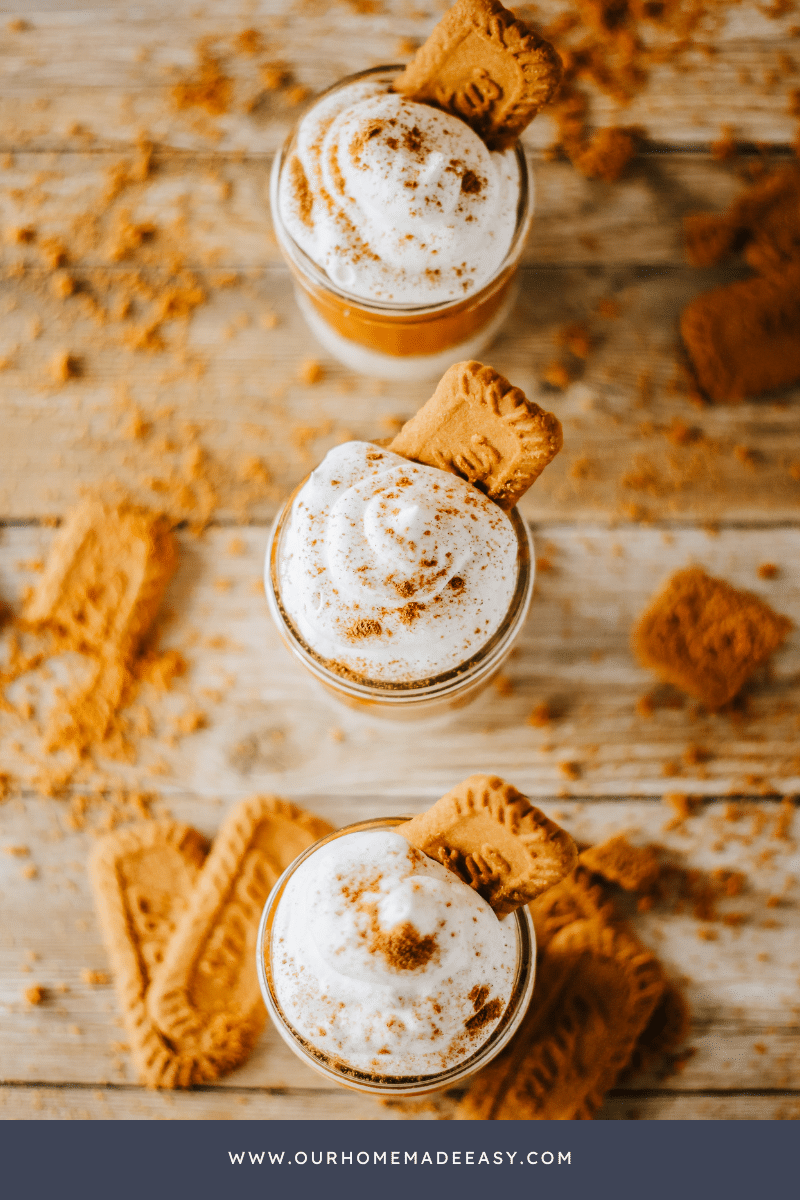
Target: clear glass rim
column 479, row 666
column 395, row 1085
column 318, row 276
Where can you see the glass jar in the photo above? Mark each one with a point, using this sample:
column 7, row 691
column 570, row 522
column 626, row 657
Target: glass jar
column 423, row 698
column 383, row 1085
column 401, row 341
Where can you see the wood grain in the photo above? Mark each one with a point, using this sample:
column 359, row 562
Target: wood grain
column 111, row 69
column 634, row 446
column 270, row 728
column 135, row 1104
column 742, row 986
column 647, row 483
column 217, row 204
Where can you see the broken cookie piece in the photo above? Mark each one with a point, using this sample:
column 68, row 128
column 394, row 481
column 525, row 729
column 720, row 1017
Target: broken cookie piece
column 484, row 65
column 493, row 838
column 707, row 637
column 478, row 426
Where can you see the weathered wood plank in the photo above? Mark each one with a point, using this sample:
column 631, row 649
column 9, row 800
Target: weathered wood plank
column 634, row 446
column 271, row 728
column 136, row 1104
column 742, row 986
column 111, row 72
column 214, row 209
column 701, row 1108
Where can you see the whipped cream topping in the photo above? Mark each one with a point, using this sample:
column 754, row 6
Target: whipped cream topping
column 397, row 571
column 384, row 960
column 397, row 201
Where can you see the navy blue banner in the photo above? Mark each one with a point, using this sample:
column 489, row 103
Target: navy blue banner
column 220, row 1160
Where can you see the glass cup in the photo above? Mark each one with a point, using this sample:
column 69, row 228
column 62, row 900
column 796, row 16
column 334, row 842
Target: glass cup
column 393, row 1085
column 401, row 341
column 423, row 698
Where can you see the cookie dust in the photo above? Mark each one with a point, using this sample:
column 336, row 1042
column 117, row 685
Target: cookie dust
column 557, row 375
column 95, row 978
column 403, row 948
column 784, row 819
column 706, row 637
column 35, row 995
column 249, row 41
column 208, row 86
column 541, row 716
column 613, row 54
column 503, row 685
column 311, row 372
column 576, row 338
column 683, row 806
column 66, row 366
column 607, row 153
column 191, row 722
column 90, row 623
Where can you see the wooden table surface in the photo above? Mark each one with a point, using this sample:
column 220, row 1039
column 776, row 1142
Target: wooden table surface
column 211, row 413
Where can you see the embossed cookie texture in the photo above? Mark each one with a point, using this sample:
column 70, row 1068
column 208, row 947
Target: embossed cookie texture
column 478, row 426
column 206, row 997
column 142, row 879
column 707, row 637
column 484, row 65
column 597, row 988
column 495, row 840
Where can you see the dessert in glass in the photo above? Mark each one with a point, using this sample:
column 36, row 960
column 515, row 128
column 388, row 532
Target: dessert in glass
column 400, row 576
column 402, row 210
column 397, row 970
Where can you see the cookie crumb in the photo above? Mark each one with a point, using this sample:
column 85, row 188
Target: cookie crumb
column 311, row 372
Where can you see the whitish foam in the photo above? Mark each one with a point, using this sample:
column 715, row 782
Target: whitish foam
column 384, row 959
column 398, row 571
column 397, row 201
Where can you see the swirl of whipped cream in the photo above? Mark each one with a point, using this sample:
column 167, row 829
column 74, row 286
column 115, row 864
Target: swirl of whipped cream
column 380, row 953
column 396, row 570
column 397, row 200
column 388, row 541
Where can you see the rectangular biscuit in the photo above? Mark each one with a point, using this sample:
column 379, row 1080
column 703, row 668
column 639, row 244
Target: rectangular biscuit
column 483, row 64
column 493, row 838
column 577, row 897
column 478, row 426
column 104, row 581
column 105, row 576
column 142, row 878
column 705, row 636
column 206, row 998
column 596, row 990
column 744, row 338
